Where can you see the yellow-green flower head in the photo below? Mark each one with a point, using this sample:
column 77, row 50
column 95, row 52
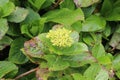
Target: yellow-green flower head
column 60, row 37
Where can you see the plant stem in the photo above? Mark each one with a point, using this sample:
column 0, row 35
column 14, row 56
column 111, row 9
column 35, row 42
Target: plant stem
column 26, row 73
column 56, row 4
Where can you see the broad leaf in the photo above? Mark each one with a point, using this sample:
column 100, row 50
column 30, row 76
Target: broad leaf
column 78, row 76
column 13, row 30
column 77, row 26
column 34, row 28
column 5, row 41
column 6, row 68
column 85, row 3
column 104, row 60
column 15, row 54
column 18, row 15
column 7, row 9
column 65, row 16
column 3, row 27
column 92, row 71
column 79, row 59
column 42, row 74
column 32, row 16
column 118, row 73
column 116, row 62
column 3, row 2
column 56, row 63
column 93, row 23
column 98, row 50
column 76, row 48
column 36, row 3
column 111, row 10
column 67, row 4
column 115, row 40
column 102, row 75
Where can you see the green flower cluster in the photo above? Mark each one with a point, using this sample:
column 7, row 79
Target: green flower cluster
column 60, row 37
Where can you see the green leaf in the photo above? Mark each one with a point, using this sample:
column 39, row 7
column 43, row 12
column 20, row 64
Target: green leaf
column 65, row 16
column 114, row 15
column 92, row 38
column 75, row 36
column 92, row 71
column 76, row 48
column 116, row 62
column 15, row 54
column 13, row 30
column 85, row 3
column 88, row 39
column 33, row 48
column 37, row 3
column 102, row 75
column 32, row 16
column 79, row 59
column 118, row 73
column 47, row 4
column 57, row 63
column 111, row 10
column 107, row 31
column 3, row 27
column 5, row 41
column 7, row 68
column 34, row 28
column 3, row 2
column 67, row 4
column 115, row 40
column 104, row 60
column 77, row 26
column 98, row 50
column 93, row 23
column 66, row 77
column 7, row 9
column 88, row 10
column 18, row 15
column 106, row 7
column 78, row 76
column 42, row 74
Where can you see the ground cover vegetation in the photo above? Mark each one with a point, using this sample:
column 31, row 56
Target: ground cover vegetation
column 59, row 39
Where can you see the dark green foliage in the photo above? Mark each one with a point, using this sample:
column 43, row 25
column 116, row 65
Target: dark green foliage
column 92, row 25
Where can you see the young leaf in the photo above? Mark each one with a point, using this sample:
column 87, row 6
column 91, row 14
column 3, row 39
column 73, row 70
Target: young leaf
column 34, row 28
